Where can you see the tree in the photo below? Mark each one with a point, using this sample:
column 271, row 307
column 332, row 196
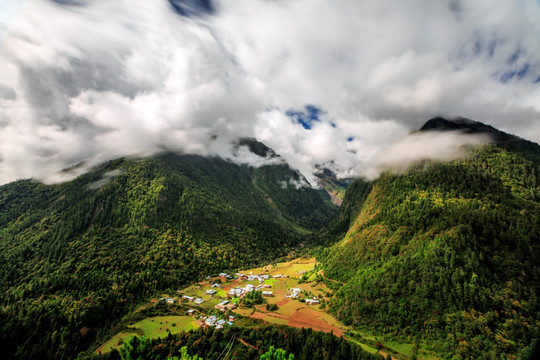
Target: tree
column 276, row 354
column 184, row 355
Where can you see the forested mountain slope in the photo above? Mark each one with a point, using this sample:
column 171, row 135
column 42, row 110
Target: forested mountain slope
column 75, row 257
column 449, row 251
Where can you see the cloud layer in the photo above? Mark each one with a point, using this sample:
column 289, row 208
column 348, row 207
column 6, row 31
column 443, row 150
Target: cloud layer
column 94, row 80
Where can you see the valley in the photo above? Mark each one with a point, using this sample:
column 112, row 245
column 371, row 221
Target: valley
column 292, row 284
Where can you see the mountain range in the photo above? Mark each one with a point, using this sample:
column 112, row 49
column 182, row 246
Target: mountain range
column 445, row 254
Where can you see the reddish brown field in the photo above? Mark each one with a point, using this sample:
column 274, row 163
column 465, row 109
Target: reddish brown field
column 309, row 319
column 283, row 301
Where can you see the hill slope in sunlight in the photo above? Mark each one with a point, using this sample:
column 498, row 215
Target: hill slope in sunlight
column 446, row 251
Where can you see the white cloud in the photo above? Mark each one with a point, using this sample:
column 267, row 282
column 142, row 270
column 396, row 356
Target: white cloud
column 438, row 146
column 105, row 79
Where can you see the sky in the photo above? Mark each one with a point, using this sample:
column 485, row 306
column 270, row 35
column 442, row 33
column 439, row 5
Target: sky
column 337, row 83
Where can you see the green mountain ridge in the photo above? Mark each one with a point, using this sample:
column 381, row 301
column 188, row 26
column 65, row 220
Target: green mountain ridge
column 447, row 252
column 75, row 257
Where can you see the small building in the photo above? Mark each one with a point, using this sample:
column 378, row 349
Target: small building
column 188, row 298
column 229, row 323
column 232, row 318
column 210, row 321
column 211, row 292
column 222, row 275
column 276, row 276
column 221, row 322
column 296, row 290
column 191, row 311
column 264, row 277
column 216, row 285
column 236, row 292
column 222, row 306
column 267, row 294
column 313, row 301
column 199, row 301
column 170, row 300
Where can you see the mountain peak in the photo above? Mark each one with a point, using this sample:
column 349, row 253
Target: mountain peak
column 462, row 124
column 256, row 147
column 526, row 148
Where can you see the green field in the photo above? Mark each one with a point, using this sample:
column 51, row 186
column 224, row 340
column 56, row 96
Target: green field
column 153, row 327
column 115, row 342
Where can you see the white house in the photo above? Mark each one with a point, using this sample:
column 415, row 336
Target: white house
column 267, row 294
column 199, row 301
column 313, row 301
column 211, row 292
column 236, row 292
column 211, row 320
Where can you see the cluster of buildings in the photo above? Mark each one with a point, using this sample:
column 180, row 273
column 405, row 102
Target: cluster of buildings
column 295, row 293
column 213, row 321
column 241, row 291
column 197, row 301
column 226, row 305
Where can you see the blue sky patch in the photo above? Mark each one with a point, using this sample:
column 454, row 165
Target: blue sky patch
column 192, row 8
column 305, row 118
column 519, row 73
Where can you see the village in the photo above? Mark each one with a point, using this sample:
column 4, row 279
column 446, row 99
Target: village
column 223, row 300
column 225, row 292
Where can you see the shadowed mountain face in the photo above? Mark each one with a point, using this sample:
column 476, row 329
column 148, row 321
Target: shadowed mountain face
column 446, row 251
column 80, row 255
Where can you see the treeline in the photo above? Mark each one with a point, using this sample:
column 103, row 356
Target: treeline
column 248, row 344
column 449, row 252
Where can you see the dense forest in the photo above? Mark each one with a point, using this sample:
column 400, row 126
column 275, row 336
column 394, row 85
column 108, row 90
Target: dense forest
column 446, row 252
column 76, row 257
column 243, row 344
